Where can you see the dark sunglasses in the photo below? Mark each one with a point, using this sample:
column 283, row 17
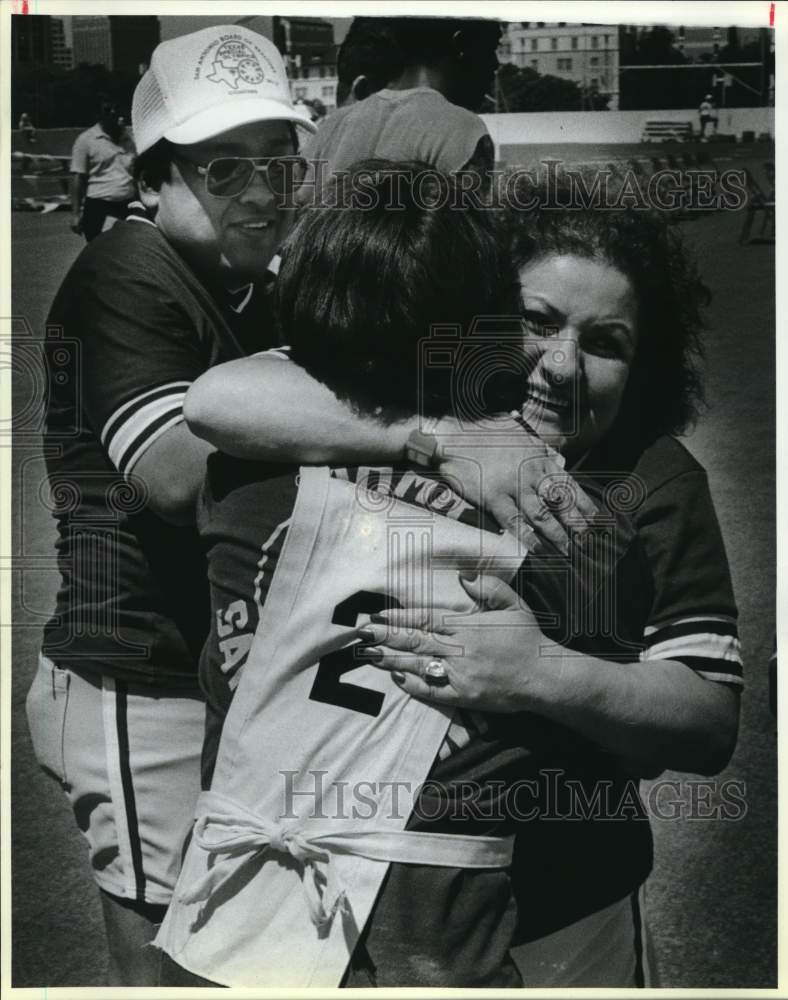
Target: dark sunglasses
column 230, row 176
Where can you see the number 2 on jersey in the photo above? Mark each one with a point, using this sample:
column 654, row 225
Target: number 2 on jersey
column 328, row 687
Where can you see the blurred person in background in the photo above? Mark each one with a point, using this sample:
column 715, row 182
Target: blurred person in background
column 102, row 166
column 707, row 113
column 27, row 128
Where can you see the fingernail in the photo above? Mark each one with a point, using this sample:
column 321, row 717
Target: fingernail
column 373, row 654
column 366, row 634
column 378, row 619
column 398, row 677
column 468, row 574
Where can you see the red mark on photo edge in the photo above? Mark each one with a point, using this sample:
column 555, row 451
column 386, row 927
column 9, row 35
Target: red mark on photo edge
column 771, row 14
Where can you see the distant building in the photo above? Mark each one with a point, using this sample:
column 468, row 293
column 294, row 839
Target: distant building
column 587, row 54
column 310, row 54
column 31, row 39
column 118, row 42
column 91, row 42
column 307, row 38
column 62, row 55
column 316, row 80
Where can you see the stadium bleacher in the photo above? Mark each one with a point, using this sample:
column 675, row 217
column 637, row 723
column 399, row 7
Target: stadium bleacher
column 662, row 131
column 39, row 182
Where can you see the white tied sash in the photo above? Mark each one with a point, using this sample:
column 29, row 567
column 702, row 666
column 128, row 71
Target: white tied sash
column 227, row 830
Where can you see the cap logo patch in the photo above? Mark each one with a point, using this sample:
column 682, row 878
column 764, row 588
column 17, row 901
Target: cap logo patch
column 235, row 62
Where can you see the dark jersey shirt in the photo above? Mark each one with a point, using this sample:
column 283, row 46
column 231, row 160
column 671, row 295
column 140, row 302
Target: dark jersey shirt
column 130, row 328
column 652, row 584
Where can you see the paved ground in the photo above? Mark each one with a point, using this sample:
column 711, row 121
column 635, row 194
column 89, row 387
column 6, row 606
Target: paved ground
column 712, row 897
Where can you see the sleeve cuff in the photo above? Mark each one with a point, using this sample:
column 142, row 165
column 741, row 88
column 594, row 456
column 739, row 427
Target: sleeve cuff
column 133, row 428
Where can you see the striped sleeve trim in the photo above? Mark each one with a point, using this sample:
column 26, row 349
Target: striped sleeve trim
column 690, row 626
column 711, row 623
column 138, row 423
column 713, row 670
column 708, row 644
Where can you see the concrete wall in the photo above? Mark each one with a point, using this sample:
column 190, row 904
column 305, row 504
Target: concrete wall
column 613, row 126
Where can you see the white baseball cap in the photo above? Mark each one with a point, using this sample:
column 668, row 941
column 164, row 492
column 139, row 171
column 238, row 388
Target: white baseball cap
column 203, row 84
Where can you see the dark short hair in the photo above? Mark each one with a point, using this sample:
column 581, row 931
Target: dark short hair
column 426, row 40
column 154, row 165
column 370, row 49
column 665, row 388
column 361, row 287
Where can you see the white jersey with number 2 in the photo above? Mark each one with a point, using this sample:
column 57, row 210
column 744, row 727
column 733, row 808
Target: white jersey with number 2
column 321, row 754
